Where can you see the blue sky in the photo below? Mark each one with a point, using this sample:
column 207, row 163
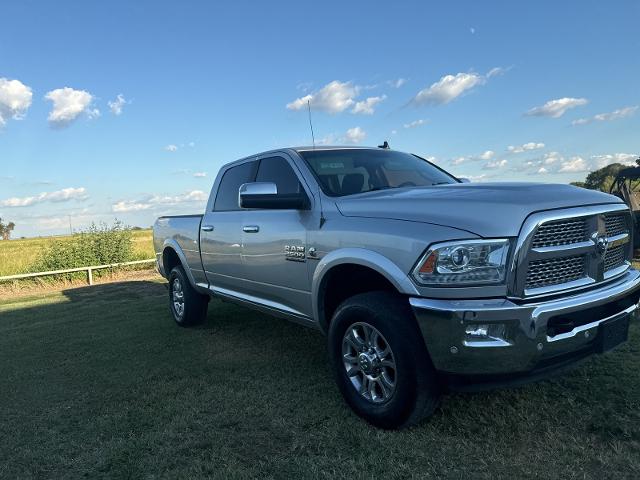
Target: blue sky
column 204, row 83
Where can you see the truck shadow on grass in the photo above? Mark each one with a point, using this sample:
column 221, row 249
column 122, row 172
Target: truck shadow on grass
column 100, row 378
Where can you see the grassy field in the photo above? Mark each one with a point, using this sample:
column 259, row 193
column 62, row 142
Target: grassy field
column 17, row 255
column 97, row 382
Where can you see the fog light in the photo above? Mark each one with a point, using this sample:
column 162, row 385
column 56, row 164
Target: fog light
column 485, row 332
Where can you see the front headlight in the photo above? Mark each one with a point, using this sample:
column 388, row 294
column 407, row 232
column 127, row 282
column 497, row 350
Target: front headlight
column 463, row 262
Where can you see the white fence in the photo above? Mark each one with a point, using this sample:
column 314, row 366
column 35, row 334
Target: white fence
column 89, row 271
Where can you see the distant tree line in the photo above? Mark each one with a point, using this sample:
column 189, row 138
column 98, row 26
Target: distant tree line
column 6, row 229
column 603, row 178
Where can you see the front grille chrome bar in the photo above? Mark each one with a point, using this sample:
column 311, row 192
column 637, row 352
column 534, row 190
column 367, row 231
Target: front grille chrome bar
column 569, row 249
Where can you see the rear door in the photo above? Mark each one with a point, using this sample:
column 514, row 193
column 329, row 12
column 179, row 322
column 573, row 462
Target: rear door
column 275, row 241
column 221, row 230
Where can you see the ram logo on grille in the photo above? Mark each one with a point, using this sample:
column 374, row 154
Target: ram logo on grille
column 602, row 244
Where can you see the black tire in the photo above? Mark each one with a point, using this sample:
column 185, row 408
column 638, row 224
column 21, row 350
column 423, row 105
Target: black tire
column 194, row 305
column 415, row 393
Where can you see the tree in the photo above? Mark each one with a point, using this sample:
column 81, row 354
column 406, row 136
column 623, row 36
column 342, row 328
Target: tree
column 602, row 178
column 5, row 230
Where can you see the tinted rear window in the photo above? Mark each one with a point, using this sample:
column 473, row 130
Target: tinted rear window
column 227, row 197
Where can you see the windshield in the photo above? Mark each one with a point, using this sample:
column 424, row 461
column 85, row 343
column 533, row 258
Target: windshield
column 350, row 171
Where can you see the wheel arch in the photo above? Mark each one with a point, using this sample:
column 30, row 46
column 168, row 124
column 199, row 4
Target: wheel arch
column 173, row 255
column 352, row 263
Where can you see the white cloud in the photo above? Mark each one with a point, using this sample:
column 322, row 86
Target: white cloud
column 117, row 105
column 600, row 161
column 447, row 89
column 550, row 162
column 581, row 121
column 450, row 87
column 486, row 155
column 15, row 100
column 573, row 165
column 525, row 147
column 171, row 148
column 335, row 97
column 200, row 174
column 609, row 116
column 415, row 123
column 397, row 83
column 551, row 158
column 355, row 135
column 497, row 71
column 475, row 178
column 366, row 107
column 124, row 206
column 554, row 162
column 556, row 108
column 68, row 104
column 495, row 164
column 472, row 30
column 63, row 195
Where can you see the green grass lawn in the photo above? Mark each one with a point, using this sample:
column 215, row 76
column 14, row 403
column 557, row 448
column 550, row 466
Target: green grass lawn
column 16, row 256
column 98, row 382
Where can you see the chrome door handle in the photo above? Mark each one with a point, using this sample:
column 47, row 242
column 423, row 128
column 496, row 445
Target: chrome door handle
column 207, row 228
column 251, row 229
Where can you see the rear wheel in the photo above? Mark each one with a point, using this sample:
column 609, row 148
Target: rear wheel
column 187, row 306
column 380, row 361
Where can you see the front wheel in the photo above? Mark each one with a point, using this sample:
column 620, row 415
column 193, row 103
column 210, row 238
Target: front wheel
column 380, row 361
column 187, row 306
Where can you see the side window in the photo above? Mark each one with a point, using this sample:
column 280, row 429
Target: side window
column 278, row 171
column 227, row 197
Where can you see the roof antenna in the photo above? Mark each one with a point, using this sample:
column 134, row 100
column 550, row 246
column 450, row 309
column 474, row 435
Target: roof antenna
column 385, row 145
column 313, row 138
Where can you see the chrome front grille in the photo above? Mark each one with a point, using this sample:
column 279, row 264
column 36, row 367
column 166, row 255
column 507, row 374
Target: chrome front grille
column 565, row 249
column 614, row 258
column 543, row 273
column 616, row 224
column 560, row 232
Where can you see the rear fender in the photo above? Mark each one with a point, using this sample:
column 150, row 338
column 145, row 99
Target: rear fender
column 171, row 243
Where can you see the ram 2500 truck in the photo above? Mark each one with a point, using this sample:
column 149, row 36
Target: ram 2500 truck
column 422, row 282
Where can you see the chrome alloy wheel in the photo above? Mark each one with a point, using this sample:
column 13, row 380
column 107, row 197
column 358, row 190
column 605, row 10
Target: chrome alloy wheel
column 177, row 297
column 369, row 363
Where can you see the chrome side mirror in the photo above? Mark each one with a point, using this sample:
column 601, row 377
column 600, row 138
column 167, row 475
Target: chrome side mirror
column 265, row 195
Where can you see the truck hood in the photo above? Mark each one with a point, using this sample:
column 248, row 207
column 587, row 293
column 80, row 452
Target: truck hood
column 484, row 209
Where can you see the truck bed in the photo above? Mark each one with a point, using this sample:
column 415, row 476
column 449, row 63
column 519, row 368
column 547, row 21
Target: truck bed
column 183, row 230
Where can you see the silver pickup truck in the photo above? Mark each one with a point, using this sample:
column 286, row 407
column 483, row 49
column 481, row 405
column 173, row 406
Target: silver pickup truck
column 421, row 281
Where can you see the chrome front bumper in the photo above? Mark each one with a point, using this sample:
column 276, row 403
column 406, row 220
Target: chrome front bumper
column 526, row 344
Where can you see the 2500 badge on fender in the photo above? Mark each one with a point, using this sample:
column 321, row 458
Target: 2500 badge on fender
column 292, row 252
column 421, row 281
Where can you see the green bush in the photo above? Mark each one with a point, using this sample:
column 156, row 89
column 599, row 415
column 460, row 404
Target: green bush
column 98, row 245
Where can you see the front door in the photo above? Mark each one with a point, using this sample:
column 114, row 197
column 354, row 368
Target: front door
column 274, row 242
